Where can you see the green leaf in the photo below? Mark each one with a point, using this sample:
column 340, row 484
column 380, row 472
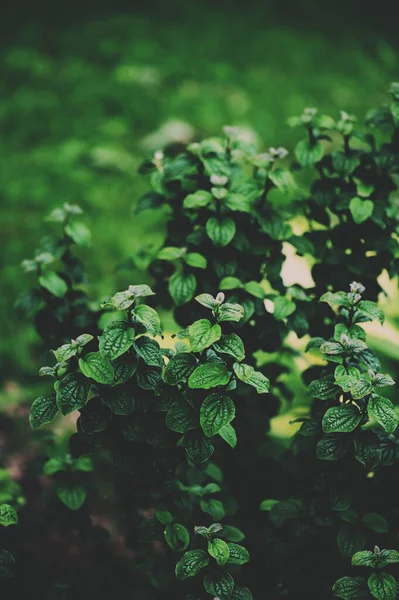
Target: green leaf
column 219, row 550
column 164, row 516
column 53, row 283
column 309, row 153
column 230, row 283
column 179, row 368
column 332, row 348
column 124, row 367
column 241, row 593
column 124, row 300
column 191, row 562
column 331, row 447
column 230, row 312
column 214, row 508
column 209, row 375
column 216, row 412
column 349, row 588
column 208, row 301
column 220, row 585
column 79, row 232
column 140, row 291
column 72, row 392
column 198, row 199
column 228, row 434
column 83, row 463
column 336, row 299
column 65, row 352
column 324, row 388
column 365, row 558
column 239, row 202
column 84, row 339
column 361, row 210
column 383, row 411
column 198, row 447
column 383, row 380
column 283, row 307
column 341, row 419
column 248, row 375
column 72, row 496
column 177, row 537
column 221, row 231
column 181, row 418
column 8, row 515
column 54, row 465
column 182, row 287
column 196, row 260
column 376, row 522
column 361, row 388
column 98, row 367
column 170, row 253
column 382, row 586
column 7, row 564
column 388, row 557
column 149, row 350
column 43, row 410
column 116, row 339
column 148, row 317
column 255, row 289
column 203, row 334
column 238, row 554
column 267, row 505
column 371, row 311
column 230, row 344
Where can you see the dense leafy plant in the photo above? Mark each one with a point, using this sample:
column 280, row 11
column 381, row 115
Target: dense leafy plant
column 159, row 422
column 59, row 304
column 164, row 423
column 350, row 422
column 380, row 584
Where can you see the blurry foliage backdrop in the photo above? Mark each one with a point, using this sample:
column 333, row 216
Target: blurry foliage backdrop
column 88, row 90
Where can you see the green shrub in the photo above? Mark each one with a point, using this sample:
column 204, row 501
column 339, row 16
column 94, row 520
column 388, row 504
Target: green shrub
column 185, row 427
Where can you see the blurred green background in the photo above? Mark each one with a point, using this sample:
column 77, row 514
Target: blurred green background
column 89, row 89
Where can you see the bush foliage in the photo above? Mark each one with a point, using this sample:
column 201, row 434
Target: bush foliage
column 172, row 430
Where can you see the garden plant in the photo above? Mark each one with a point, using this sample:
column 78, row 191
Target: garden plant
column 174, row 427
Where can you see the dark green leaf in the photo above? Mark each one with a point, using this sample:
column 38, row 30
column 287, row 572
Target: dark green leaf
column 43, row 410
column 382, row 586
column 383, row 411
column 72, row 496
column 219, row 550
column 216, row 412
column 341, row 419
column 191, row 562
column 177, row 537
column 209, row 375
column 182, row 287
column 116, row 339
column 220, row 585
column 98, row 367
column 72, row 392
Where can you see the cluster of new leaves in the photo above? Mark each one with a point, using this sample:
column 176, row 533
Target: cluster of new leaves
column 59, row 304
column 128, row 389
column 380, row 584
